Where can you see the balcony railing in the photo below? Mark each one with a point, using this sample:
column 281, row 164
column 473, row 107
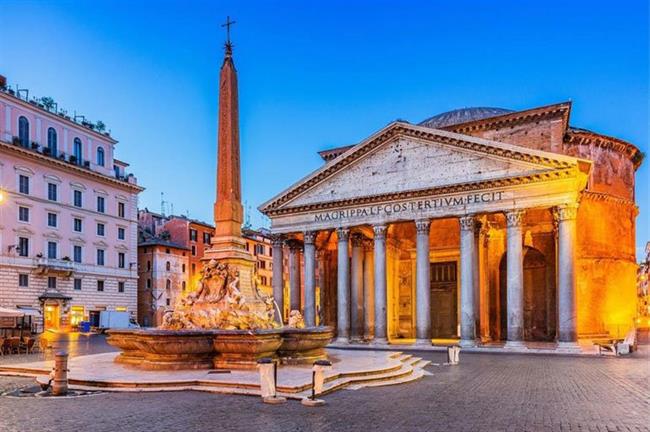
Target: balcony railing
column 53, row 266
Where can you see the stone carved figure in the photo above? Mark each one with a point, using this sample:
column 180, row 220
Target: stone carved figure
column 218, row 303
column 296, row 320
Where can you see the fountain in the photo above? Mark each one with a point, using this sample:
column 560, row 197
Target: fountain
column 226, row 322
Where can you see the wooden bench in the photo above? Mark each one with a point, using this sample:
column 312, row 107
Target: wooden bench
column 619, row 346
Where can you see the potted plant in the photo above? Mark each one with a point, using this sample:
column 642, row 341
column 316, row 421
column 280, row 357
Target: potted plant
column 46, row 151
column 73, row 159
column 100, row 126
column 39, row 255
column 87, row 164
column 47, row 102
column 62, row 156
column 35, row 145
column 15, row 141
column 66, row 258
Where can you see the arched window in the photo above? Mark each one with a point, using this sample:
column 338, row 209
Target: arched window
column 100, row 156
column 183, row 285
column 169, row 284
column 51, row 141
column 23, row 131
column 76, row 151
column 169, row 266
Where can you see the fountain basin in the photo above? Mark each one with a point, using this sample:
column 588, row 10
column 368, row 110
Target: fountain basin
column 125, row 340
column 240, row 349
column 306, row 345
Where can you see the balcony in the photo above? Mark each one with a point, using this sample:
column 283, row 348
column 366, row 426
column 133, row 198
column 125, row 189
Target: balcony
column 53, row 267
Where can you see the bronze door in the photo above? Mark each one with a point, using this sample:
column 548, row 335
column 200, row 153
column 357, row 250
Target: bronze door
column 444, row 299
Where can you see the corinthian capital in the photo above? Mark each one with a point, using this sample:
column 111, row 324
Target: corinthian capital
column 380, row 231
column 343, row 234
column 422, row 226
column 277, row 240
column 357, row 239
column 565, row 212
column 514, row 218
column 309, row 237
column 467, row 223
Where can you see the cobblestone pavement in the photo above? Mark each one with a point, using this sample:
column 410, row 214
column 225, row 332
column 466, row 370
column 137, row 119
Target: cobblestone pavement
column 486, row 392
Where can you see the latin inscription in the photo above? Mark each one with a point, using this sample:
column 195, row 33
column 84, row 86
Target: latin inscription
column 410, row 206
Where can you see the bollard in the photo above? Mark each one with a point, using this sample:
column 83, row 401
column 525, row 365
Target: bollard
column 453, row 354
column 268, row 381
column 60, row 382
column 317, row 382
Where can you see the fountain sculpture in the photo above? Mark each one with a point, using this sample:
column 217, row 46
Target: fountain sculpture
column 226, row 323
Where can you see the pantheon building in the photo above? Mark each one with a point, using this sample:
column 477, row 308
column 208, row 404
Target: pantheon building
column 482, row 224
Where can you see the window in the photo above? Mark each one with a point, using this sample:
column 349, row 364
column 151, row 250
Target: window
column 259, row 249
column 23, row 131
column 120, row 287
column 51, row 191
column 183, row 267
column 148, row 283
column 183, row 286
column 23, row 246
column 101, row 204
column 206, row 238
column 77, row 198
column 76, row 253
column 167, row 250
column 23, row 184
column 193, row 250
column 76, row 150
column 100, row 156
column 77, row 284
column 120, row 209
column 51, row 141
column 168, row 284
column 101, row 229
column 120, row 234
column 120, row 259
column 192, row 234
column 193, row 268
column 23, row 280
column 52, row 220
column 100, row 257
column 168, row 266
column 23, row 214
column 148, row 265
column 51, row 250
column 100, row 285
column 168, row 302
column 51, row 282
column 262, row 264
column 76, row 315
column 77, row 225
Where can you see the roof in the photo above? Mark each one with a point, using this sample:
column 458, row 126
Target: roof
column 160, row 242
column 462, row 115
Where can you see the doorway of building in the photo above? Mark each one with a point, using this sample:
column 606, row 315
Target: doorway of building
column 444, row 299
column 93, row 317
column 51, row 317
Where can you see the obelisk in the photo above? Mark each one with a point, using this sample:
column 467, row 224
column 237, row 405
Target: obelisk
column 228, row 245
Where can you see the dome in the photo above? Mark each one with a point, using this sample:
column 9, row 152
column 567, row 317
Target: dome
column 463, row 115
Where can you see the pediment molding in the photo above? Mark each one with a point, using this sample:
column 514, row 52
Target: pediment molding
column 555, row 164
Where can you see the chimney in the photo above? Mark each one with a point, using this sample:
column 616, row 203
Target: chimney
column 3, row 81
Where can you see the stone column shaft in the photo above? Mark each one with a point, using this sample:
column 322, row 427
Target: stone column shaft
column 381, row 319
column 310, row 279
column 343, row 286
column 294, row 275
column 278, row 276
column 515, row 277
column 356, row 289
column 368, row 291
column 567, row 310
column 467, row 279
column 422, row 283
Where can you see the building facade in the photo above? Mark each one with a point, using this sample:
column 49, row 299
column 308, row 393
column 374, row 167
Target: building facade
column 481, row 224
column 163, row 276
column 68, row 220
column 258, row 242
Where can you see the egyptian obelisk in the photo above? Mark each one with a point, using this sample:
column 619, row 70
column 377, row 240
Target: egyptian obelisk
column 228, row 246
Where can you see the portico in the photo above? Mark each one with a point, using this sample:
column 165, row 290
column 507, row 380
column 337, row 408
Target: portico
column 436, row 235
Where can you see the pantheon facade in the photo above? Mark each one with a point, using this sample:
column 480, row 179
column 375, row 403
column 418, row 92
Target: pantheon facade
column 479, row 224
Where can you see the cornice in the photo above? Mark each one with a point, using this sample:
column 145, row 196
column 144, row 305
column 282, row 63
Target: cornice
column 399, row 129
column 584, row 137
column 30, row 154
column 420, row 193
column 603, row 197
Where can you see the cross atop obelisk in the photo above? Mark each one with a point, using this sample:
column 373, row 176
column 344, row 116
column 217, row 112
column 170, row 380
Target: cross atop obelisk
column 227, row 25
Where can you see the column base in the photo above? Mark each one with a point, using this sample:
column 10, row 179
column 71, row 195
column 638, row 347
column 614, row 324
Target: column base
column 342, row 340
column 569, row 347
column 423, row 342
column 379, row 341
column 467, row 343
column 516, row 345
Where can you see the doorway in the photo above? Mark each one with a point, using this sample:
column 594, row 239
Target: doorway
column 51, row 318
column 444, row 299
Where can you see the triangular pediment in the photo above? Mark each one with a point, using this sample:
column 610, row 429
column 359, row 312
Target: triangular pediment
column 402, row 158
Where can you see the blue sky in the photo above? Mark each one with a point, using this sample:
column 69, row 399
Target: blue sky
column 314, row 75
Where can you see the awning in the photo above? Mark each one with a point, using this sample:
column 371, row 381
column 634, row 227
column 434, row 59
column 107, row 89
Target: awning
column 53, row 295
column 29, row 311
column 10, row 312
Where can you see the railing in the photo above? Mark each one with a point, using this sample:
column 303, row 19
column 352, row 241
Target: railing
column 53, row 266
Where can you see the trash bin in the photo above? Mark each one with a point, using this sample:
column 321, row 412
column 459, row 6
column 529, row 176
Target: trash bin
column 84, row 326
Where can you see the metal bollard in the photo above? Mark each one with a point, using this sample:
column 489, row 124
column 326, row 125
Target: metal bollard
column 60, row 382
column 453, row 354
column 317, row 382
column 268, row 381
